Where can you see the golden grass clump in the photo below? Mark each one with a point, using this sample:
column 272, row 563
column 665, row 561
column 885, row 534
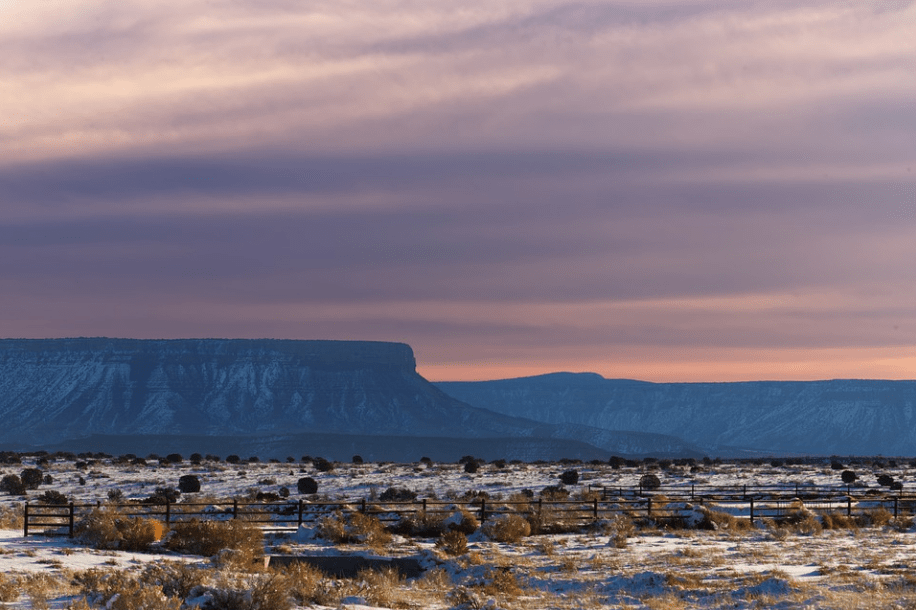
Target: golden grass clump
column 507, row 528
column 230, row 542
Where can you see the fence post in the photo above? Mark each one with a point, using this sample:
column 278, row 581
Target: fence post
column 744, row 492
column 692, row 491
column 752, row 509
column 72, row 512
column 424, row 508
column 649, row 511
column 235, row 509
column 895, row 507
column 25, row 521
column 300, row 513
column 595, row 508
column 362, row 506
column 168, row 512
column 849, row 506
column 540, row 507
column 483, row 510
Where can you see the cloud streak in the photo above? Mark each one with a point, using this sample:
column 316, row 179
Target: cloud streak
column 515, row 186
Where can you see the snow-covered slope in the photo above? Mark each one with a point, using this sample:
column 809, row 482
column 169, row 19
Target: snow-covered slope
column 57, row 390
column 865, row 417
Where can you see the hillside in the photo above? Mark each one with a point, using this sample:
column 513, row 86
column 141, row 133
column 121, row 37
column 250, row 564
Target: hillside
column 863, row 417
column 251, row 393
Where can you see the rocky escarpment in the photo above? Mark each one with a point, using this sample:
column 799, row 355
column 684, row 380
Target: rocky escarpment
column 64, row 388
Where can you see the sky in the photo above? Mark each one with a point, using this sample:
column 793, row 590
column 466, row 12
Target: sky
column 668, row 191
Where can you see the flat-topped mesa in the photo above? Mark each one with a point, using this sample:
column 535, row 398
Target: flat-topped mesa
column 305, row 352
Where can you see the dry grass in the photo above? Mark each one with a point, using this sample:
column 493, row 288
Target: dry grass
column 229, row 542
column 507, row 528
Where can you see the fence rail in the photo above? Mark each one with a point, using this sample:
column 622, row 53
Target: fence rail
column 62, row 519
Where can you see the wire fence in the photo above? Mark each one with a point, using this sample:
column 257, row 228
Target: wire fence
column 660, row 505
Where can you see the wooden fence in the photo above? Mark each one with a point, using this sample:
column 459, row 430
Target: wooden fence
column 62, row 519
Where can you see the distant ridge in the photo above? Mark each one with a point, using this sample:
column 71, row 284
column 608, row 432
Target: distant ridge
column 835, row 417
column 253, row 392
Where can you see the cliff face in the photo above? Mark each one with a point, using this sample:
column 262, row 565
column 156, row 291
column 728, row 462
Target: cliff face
column 843, row 417
column 64, row 388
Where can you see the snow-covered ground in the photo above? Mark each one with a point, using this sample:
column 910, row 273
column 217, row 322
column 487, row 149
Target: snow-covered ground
column 607, row 566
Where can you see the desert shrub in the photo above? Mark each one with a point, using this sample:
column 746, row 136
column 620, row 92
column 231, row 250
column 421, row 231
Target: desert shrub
column 307, row 486
column 267, row 496
column 31, row 478
column 570, row 477
column 462, row 521
column 9, row 588
column 174, row 578
column 196, row 458
column 876, row 517
column 357, row 459
column 262, row 592
column 322, row 465
column 649, row 482
column 233, row 459
column 11, row 517
column 308, row 586
column 174, row 458
column 52, row 496
column 47, row 479
column 507, row 528
column 354, row 528
column 885, row 480
column 800, row 520
column 108, row 530
column 454, row 543
column 837, row 465
column 554, row 492
column 501, row 582
column 380, row 587
column 837, row 521
column 115, row 495
column 189, row 484
column 849, row 477
column 283, row 492
column 398, row 494
column 720, row 520
column 163, row 495
column 237, row 541
column 471, row 467
column 12, row 485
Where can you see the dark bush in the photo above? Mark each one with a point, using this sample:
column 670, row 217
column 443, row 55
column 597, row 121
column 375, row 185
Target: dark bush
column 254, row 459
column 471, row 467
column 357, row 459
column 885, row 480
column 616, row 462
column 12, row 485
column 233, row 459
column 570, row 477
column 163, row 495
column 649, row 481
column 174, row 458
column 47, row 479
column 196, row 458
column 283, row 492
column 398, row 494
column 189, row 484
column 267, row 496
column 499, row 464
column 896, row 486
column 837, row 465
column 554, row 492
column 849, row 477
column 322, row 465
column 307, row 485
column 53, row 497
column 467, row 458
column 31, row 478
